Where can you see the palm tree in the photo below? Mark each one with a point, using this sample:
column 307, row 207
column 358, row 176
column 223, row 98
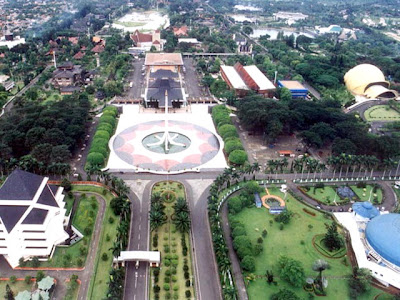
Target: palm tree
column 255, row 167
column 182, row 222
column 126, row 210
column 157, row 218
column 181, row 206
column 116, row 249
column 319, row 266
column 392, row 164
column 271, row 165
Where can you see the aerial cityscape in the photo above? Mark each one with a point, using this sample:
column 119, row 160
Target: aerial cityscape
column 193, row 149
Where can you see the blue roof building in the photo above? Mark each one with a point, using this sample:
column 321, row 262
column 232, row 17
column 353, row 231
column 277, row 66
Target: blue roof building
column 383, row 234
column 365, row 210
column 295, row 87
column 257, row 200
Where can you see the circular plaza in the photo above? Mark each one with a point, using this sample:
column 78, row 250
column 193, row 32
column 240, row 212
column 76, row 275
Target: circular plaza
column 185, row 143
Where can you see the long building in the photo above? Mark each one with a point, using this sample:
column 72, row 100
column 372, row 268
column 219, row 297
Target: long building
column 32, row 217
column 245, row 78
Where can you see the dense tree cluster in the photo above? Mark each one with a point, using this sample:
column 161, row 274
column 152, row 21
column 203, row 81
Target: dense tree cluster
column 41, row 136
column 317, row 123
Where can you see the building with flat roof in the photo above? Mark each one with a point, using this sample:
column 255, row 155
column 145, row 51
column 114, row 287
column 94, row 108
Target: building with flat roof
column 295, row 87
column 245, row 78
column 32, row 217
column 164, row 61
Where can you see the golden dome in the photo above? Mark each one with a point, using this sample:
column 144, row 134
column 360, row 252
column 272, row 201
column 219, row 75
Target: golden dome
column 367, row 80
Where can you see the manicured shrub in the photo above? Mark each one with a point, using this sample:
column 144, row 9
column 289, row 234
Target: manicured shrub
column 238, row 157
column 156, row 288
column 166, row 287
column 188, row 294
column 186, row 275
column 258, row 249
column 227, row 130
column 103, row 150
column 233, row 144
column 98, row 141
column 187, row 283
column 95, row 159
column 107, row 119
column 176, row 287
column 106, row 127
column 104, row 256
column 248, row 263
column 102, row 134
column 185, row 268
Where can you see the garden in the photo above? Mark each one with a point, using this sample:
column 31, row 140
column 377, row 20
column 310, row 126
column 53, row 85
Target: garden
column 170, row 227
column 332, row 194
column 381, row 113
column 300, row 251
column 75, row 255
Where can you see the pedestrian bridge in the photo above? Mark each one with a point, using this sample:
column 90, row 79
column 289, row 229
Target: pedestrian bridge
column 152, row 257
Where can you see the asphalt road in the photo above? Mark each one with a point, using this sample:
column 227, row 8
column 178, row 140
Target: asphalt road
column 137, row 79
column 136, row 278
column 191, row 82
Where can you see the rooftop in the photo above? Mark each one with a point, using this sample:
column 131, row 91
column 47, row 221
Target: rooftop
column 292, row 84
column 234, row 78
column 260, row 79
column 166, row 59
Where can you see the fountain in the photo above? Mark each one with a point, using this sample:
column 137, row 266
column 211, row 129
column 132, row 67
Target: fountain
column 166, row 139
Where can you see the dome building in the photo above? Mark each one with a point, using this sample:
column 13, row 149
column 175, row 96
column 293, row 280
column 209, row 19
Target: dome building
column 383, row 235
column 365, row 211
column 367, row 80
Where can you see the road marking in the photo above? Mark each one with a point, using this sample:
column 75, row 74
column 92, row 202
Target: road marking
column 138, row 246
column 140, row 225
column 136, row 278
column 139, row 237
column 134, row 297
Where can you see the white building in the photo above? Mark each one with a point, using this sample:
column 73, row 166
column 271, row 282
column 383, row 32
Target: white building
column 32, row 216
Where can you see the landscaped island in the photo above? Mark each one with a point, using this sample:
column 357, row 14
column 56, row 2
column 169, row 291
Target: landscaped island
column 170, row 226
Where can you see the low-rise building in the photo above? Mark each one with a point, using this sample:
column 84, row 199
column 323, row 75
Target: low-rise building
column 67, row 74
column 245, row 78
column 32, row 217
column 147, row 40
column 181, row 31
column 295, row 87
column 164, row 61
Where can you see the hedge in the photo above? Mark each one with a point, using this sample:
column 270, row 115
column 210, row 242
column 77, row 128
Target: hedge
column 238, row 157
column 95, row 159
column 232, row 144
column 99, row 150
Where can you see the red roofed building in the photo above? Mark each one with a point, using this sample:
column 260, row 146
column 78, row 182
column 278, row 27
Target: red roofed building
column 79, row 55
column 98, row 48
column 181, row 31
column 74, row 40
column 146, row 40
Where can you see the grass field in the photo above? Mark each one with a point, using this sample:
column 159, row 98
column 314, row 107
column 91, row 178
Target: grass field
column 17, row 287
column 381, row 113
column 98, row 283
column 295, row 241
column 169, row 236
column 327, row 194
column 75, row 255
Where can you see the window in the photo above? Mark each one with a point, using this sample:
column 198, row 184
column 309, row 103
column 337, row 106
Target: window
column 31, row 247
column 33, row 231
column 39, row 240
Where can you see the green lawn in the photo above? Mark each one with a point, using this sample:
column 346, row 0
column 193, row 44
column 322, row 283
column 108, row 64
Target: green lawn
column 381, row 113
column 98, row 284
column 365, row 194
column 168, row 235
column 295, row 241
column 327, row 194
column 75, row 255
column 17, row 287
column 69, row 203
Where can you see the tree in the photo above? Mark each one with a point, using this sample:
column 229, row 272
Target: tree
column 291, row 271
column 28, row 279
column 248, row 263
column 319, row 266
column 360, row 282
column 332, row 239
column 284, row 294
column 116, row 204
column 248, row 30
column 157, row 218
column 285, row 94
column 238, row 157
column 9, row 293
column 35, row 262
column 39, row 276
column 182, row 221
